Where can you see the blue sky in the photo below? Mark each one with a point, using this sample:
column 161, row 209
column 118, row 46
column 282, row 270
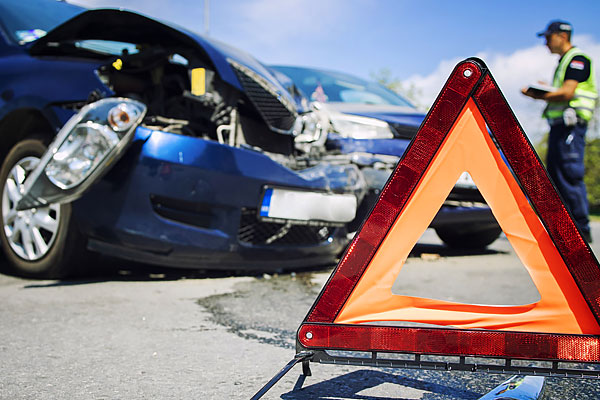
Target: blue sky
column 418, row 41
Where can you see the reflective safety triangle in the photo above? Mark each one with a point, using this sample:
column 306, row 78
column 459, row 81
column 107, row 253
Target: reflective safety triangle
column 469, row 128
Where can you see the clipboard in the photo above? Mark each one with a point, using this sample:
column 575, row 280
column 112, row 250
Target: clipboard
column 539, row 88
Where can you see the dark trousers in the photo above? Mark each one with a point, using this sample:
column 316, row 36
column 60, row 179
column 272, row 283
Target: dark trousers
column 566, row 146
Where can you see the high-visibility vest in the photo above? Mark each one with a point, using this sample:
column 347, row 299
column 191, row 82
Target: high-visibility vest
column 586, row 94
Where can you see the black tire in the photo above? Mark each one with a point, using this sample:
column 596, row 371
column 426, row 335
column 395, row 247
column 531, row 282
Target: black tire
column 468, row 237
column 65, row 248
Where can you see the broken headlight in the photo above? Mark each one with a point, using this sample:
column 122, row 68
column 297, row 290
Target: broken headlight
column 81, row 152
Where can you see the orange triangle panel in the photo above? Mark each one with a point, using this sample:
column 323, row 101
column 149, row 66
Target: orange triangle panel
column 562, row 325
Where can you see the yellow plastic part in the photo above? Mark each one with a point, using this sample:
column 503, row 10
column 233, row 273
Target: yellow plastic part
column 198, row 81
column 118, row 64
column 469, row 147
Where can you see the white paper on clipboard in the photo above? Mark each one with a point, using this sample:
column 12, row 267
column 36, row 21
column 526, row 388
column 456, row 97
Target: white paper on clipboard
column 541, row 88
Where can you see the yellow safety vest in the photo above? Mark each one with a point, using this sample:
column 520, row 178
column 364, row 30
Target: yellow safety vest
column 586, row 93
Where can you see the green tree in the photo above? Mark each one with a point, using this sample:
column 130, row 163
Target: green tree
column 594, row 125
column 592, row 173
column 384, row 77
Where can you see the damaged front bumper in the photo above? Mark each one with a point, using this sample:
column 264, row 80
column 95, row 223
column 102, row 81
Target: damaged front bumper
column 183, row 201
column 188, row 202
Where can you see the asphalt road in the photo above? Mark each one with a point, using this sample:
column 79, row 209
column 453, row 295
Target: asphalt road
column 136, row 333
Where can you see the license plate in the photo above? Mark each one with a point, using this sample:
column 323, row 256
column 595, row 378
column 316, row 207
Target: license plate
column 306, row 207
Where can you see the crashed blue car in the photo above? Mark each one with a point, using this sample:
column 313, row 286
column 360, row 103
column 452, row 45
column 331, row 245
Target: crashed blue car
column 125, row 136
column 370, row 123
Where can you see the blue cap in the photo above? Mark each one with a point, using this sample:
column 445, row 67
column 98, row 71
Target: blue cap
column 556, row 26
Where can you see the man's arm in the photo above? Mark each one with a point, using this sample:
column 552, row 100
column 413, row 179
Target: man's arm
column 564, row 93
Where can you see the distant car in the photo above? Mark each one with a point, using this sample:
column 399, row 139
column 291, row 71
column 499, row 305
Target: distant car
column 125, row 136
column 368, row 119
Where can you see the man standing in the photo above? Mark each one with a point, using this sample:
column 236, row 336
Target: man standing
column 570, row 107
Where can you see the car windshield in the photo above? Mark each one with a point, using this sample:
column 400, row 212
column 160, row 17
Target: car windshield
column 331, row 86
column 27, row 20
column 107, row 47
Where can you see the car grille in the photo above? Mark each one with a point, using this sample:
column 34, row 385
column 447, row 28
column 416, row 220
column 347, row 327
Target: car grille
column 405, row 131
column 255, row 232
column 277, row 112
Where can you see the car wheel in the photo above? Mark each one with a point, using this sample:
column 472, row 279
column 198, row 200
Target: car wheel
column 40, row 242
column 472, row 238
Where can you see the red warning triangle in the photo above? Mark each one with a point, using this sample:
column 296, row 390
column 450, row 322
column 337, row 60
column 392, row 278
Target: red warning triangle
column 469, row 128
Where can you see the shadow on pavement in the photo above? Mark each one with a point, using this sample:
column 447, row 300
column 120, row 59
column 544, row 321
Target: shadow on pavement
column 109, row 269
column 363, row 385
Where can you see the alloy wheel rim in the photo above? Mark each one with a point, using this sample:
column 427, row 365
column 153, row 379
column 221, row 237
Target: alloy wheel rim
column 30, row 233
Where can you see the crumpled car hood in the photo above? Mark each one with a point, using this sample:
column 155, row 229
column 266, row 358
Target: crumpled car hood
column 131, row 27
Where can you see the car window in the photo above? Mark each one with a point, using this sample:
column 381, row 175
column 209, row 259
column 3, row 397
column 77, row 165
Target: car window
column 26, row 21
column 331, row 86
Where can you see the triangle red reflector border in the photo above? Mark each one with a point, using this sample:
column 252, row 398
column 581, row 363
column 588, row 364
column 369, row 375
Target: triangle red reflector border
column 470, row 80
